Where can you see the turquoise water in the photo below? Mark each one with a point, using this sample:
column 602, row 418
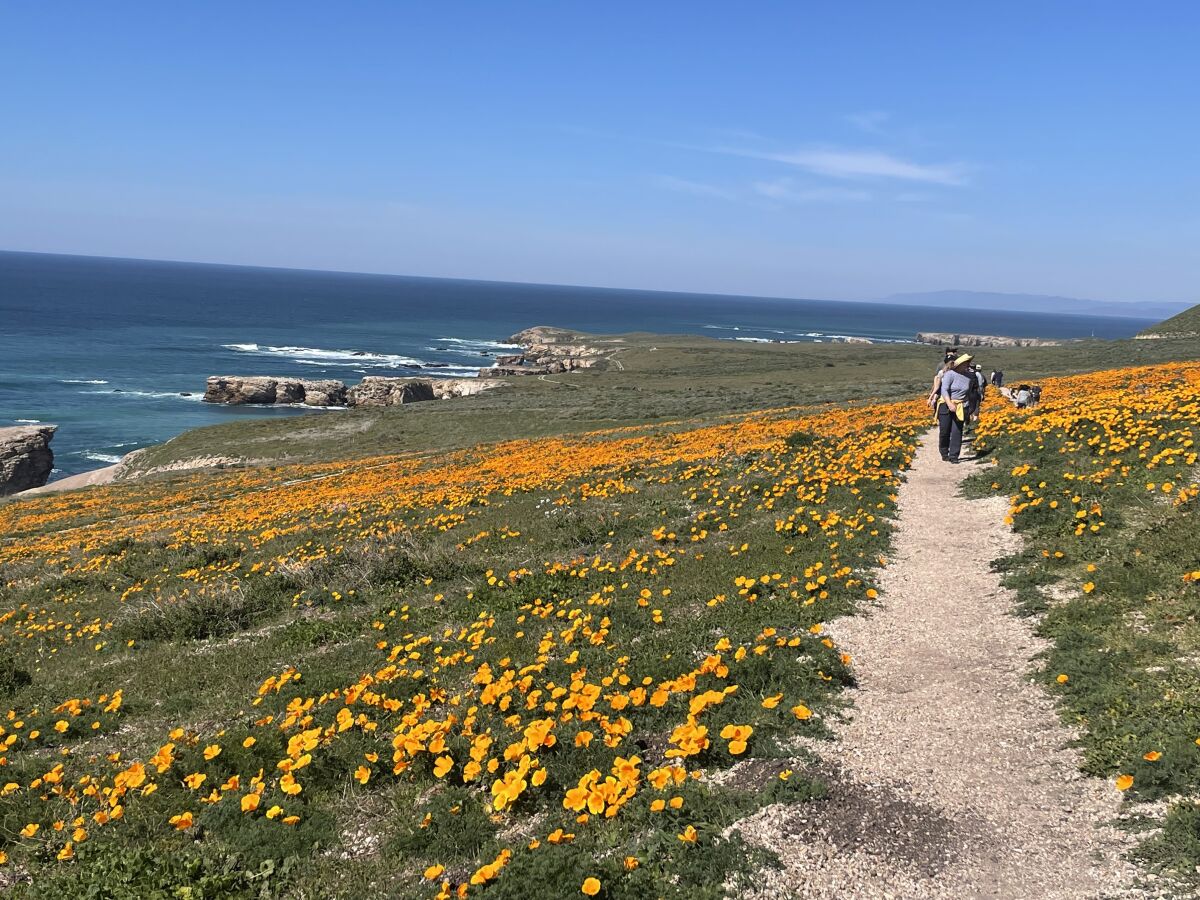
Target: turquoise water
column 116, row 352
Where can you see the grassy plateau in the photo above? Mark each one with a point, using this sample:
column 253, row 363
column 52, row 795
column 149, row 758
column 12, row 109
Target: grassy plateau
column 561, row 637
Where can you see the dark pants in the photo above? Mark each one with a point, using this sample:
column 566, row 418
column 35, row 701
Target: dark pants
column 950, row 432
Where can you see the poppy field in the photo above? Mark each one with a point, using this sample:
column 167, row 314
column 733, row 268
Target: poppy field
column 569, row 664
column 1102, row 482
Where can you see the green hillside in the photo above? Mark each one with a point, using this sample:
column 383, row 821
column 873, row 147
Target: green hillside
column 1186, row 324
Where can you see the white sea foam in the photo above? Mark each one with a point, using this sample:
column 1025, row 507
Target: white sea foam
column 480, row 345
column 28, row 421
column 154, row 395
column 315, row 356
column 100, row 457
column 83, row 381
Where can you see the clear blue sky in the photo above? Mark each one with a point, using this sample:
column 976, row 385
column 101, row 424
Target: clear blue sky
column 837, row 150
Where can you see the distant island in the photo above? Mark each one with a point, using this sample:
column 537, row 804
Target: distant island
column 1041, row 303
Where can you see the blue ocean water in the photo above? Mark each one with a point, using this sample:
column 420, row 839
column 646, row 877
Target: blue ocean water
column 116, row 351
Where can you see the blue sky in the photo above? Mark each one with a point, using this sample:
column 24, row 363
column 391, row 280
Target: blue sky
column 842, row 151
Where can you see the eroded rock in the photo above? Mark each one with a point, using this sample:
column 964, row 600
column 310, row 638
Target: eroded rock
column 25, row 457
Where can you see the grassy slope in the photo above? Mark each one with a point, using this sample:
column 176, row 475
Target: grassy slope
column 1104, row 489
column 1185, row 324
column 683, row 377
column 375, row 555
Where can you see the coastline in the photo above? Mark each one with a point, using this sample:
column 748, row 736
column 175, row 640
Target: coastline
column 72, row 482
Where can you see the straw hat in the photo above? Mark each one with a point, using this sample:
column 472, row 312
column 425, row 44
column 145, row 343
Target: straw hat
column 965, row 358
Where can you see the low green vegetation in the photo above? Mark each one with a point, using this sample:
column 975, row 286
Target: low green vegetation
column 398, row 618
column 1185, row 325
column 1102, row 483
column 657, row 378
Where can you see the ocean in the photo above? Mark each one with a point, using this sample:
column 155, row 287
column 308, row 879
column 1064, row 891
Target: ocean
column 116, row 352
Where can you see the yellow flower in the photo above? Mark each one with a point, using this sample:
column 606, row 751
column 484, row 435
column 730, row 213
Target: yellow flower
column 591, row 886
column 801, row 712
column 182, row 822
column 1152, row 756
column 442, row 766
column 688, row 836
column 250, row 802
column 434, row 871
column 772, row 702
column 67, row 852
column 1124, row 782
column 1063, row 679
column 212, row 751
column 30, row 830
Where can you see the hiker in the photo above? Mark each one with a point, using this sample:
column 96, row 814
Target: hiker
column 1036, row 394
column 956, row 383
column 998, row 378
column 936, row 391
column 1023, row 396
column 973, row 402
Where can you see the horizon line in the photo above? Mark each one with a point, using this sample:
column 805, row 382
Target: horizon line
column 876, row 300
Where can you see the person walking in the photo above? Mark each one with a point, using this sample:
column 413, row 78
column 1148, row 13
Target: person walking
column 956, row 383
column 947, row 364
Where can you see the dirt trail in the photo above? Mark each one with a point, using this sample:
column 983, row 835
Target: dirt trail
column 950, row 777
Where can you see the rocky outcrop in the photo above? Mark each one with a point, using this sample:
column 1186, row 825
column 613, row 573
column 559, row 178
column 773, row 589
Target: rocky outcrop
column 381, row 391
column 1165, row 335
column 501, row 371
column 450, row 388
column 981, row 340
column 378, row 390
column 237, row 390
column 25, row 457
column 549, row 351
column 234, row 390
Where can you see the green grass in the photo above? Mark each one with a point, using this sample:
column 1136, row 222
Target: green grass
column 664, row 378
column 1124, row 658
column 1184, row 325
column 195, row 656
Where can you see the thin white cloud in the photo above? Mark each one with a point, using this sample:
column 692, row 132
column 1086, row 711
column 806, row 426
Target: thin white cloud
column 860, row 164
column 785, row 189
column 695, row 188
column 871, row 121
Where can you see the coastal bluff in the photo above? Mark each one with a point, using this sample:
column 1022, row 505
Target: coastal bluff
column 373, row 390
column 237, row 390
column 981, row 340
column 547, row 350
column 25, row 457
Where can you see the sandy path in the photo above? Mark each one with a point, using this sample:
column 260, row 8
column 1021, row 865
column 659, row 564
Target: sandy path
column 950, row 777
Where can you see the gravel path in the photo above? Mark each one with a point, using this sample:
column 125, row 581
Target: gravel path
column 951, row 777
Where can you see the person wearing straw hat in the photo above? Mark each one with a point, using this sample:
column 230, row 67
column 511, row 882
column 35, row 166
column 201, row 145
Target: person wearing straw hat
column 952, row 408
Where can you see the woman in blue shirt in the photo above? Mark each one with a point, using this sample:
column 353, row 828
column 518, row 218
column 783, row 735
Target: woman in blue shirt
column 952, row 408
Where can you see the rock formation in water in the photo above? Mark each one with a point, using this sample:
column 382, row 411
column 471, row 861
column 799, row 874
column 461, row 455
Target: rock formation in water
column 549, row 351
column 236, row 390
column 981, row 340
column 25, row 457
